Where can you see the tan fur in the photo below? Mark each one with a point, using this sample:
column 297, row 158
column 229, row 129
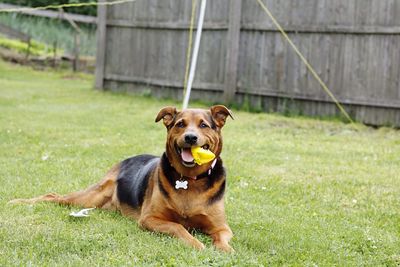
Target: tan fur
column 182, row 210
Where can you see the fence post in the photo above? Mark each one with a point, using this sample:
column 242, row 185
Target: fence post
column 77, row 43
column 28, row 51
column 101, row 45
column 54, row 53
column 77, row 39
column 232, row 53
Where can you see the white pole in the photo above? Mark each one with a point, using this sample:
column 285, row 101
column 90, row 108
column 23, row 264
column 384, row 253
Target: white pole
column 195, row 53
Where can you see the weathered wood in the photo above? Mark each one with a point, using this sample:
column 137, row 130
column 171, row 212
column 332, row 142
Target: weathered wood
column 52, row 14
column 358, row 102
column 75, row 63
column 367, row 29
column 70, row 21
column 164, row 25
column 358, row 29
column 232, row 53
column 101, row 45
column 77, row 41
column 323, row 12
column 357, row 67
column 160, row 82
column 352, row 44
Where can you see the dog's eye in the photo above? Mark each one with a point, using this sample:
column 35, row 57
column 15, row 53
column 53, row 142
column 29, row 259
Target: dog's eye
column 180, row 124
column 203, row 125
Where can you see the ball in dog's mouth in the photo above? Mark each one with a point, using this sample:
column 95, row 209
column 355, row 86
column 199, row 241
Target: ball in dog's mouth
column 186, row 155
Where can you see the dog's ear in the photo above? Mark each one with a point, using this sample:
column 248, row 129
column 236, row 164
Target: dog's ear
column 167, row 114
column 219, row 114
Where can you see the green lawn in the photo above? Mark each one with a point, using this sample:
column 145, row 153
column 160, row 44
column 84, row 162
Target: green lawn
column 301, row 192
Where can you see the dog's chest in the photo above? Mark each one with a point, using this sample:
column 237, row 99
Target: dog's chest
column 188, row 206
column 191, row 214
column 188, row 202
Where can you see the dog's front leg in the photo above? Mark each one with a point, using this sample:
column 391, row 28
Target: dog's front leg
column 221, row 239
column 170, row 228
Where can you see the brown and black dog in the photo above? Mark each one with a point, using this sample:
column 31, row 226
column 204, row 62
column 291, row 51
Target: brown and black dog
column 149, row 188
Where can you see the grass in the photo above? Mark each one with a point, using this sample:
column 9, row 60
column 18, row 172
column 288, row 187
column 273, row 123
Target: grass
column 301, row 192
column 49, row 31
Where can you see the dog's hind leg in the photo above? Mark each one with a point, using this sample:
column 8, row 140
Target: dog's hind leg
column 100, row 195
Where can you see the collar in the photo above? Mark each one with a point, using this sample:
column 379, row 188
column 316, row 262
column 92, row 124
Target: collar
column 204, row 174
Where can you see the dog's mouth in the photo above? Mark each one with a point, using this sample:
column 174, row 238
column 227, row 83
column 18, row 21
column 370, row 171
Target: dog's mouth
column 186, row 155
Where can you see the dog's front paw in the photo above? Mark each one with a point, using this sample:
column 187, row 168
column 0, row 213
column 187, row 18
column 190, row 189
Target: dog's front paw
column 225, row 247
column 197, row 244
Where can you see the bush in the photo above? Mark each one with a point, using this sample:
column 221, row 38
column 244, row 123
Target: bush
column 36, row 48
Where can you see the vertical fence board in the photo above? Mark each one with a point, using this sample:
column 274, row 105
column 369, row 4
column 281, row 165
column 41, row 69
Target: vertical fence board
column 101, row 45
column 232, row 53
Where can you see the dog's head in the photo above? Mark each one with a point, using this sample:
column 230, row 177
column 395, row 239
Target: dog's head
column 192, row 127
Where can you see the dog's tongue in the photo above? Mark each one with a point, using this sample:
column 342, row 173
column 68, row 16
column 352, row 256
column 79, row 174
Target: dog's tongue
column 187, row 155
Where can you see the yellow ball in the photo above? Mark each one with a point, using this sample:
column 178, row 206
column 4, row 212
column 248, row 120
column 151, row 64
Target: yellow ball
column 202, row 155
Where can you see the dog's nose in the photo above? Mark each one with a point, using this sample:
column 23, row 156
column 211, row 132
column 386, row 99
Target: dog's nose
column 190, row 138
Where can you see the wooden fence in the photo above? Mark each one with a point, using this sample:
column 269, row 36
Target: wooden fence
column 354, row 46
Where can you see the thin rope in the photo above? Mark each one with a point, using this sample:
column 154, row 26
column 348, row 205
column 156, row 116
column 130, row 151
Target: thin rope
column 65, row 6
column 305, row 61
column 189, row 48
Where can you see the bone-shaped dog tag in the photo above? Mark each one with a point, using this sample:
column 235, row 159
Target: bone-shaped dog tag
column 181, row 184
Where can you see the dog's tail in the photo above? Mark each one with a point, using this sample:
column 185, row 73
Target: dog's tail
column 100, row 195
column 51, row 197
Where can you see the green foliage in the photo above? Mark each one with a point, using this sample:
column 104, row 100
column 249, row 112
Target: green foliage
column 53, row 32
column 16, row 45
column 86, row 10
column 36, row 48
column 300, row 192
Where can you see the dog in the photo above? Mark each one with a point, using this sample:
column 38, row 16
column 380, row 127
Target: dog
column 170, row 194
